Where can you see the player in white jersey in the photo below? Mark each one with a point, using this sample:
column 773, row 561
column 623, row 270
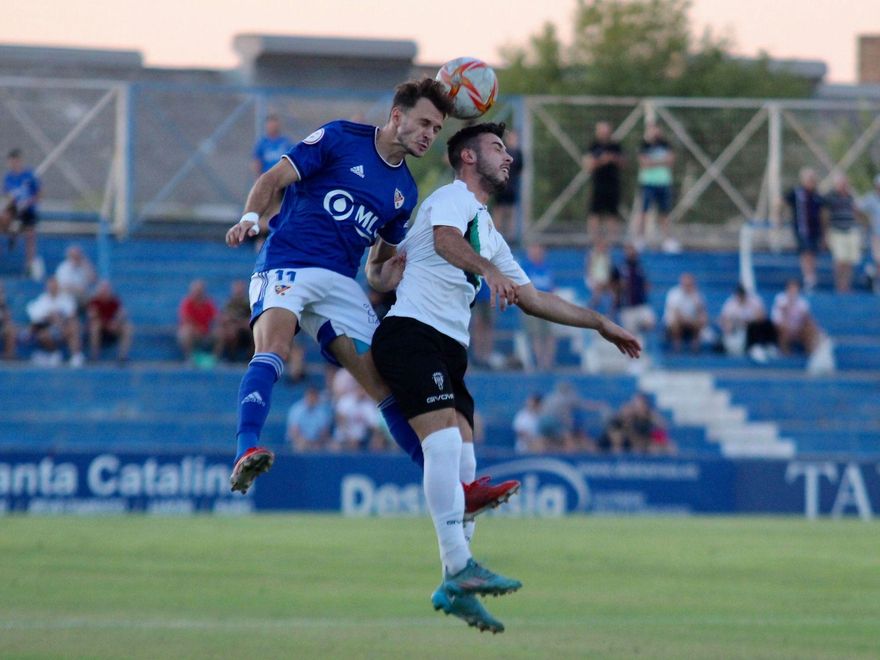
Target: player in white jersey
column 420, row 347
column 344, row 188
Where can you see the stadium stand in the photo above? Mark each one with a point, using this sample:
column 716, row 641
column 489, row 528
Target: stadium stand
column 157, row 402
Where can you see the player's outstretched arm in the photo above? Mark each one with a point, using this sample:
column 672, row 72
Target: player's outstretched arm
column 553, row 308
column 262, row 201
column 384, row 267
column 451, row 245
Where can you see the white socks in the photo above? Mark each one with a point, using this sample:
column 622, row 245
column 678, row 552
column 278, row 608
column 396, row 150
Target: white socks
column 467, row 473
column 445, row 496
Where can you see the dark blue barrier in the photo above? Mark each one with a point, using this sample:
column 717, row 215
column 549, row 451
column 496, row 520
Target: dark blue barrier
column 391, row 485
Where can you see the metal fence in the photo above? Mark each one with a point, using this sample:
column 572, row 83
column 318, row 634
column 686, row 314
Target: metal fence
column 127, row 153
column 734, row 156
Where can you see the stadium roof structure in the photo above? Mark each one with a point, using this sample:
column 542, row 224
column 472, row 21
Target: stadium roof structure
column 54, row 61
column 324, row 62
column 252, row 46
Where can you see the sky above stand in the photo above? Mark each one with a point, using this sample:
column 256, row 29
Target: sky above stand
column 175, row 33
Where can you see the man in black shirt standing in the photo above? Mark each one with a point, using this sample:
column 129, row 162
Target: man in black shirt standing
column 604, row 161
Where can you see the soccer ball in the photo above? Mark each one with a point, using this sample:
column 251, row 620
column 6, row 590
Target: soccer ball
column 471, row 83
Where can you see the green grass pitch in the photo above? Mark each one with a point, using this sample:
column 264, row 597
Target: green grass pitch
column 308, row 586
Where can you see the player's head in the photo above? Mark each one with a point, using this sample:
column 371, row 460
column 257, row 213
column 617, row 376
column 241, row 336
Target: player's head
column 52, row 286
column 480, row 148
column 272, row 125
column 13, row 159
column 808, row 178
column 104, row 290
column 417, row 114
column 603, row 131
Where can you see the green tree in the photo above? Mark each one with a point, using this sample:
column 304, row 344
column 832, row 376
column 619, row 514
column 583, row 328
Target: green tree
column 639, row 48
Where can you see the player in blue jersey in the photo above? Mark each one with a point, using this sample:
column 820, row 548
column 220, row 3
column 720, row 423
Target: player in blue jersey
column 19, row 213
column 271, row 146
column 344, row 188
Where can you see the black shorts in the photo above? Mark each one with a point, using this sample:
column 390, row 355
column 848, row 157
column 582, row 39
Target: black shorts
column 423, row 367
column 28, row 217
column 605, row 200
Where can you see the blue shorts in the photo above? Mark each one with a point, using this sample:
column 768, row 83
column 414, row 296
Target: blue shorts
column 659, row 195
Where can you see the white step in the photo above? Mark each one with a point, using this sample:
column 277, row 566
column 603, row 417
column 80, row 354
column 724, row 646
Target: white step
column 752, row 433
column 703, row 416
column 780, row 449
column 657, row 381
column 714, row 399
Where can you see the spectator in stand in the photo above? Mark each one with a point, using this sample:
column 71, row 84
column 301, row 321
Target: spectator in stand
column 196, row 316
column 76, row 275
column 559, row 423
column 795, row 326
column 684, row 314
column 53, row 324
column 526, row 426
column 310, row 422
column 604, row 162
column 869, row 205
column 630, row 285
column 504, row 212
column 271, row 146
column 806, row 216
column 844, row 238
column 268, row 150
column 656, row 159
column 234, row 338
column 614, row 438
column 356, row 421
column 645, row 427
column 482, row 329
column 636, row 427
column 597, row 275
column 19, row 214
column 108, row 323
column 744, row 325
column 542, row 337
column 8, row 331
column 295, row 368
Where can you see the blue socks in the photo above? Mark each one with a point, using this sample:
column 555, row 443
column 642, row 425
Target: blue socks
column 401, row 431
column 254, row 397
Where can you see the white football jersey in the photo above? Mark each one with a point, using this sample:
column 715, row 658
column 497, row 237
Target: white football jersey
column 434, row 291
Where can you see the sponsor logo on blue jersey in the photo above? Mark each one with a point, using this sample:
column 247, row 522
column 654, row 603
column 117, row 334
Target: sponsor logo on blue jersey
column 341, row 207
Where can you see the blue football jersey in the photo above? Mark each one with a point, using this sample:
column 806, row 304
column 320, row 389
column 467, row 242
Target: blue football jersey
column 21, row 186
column 270, row 150
column 347, row 195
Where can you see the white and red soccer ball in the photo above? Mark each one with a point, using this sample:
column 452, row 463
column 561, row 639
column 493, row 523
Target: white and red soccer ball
column 471, row 83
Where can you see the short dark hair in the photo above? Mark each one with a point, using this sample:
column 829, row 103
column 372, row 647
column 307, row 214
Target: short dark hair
column 407, row 94
column 466, row 139
column 14, row 153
